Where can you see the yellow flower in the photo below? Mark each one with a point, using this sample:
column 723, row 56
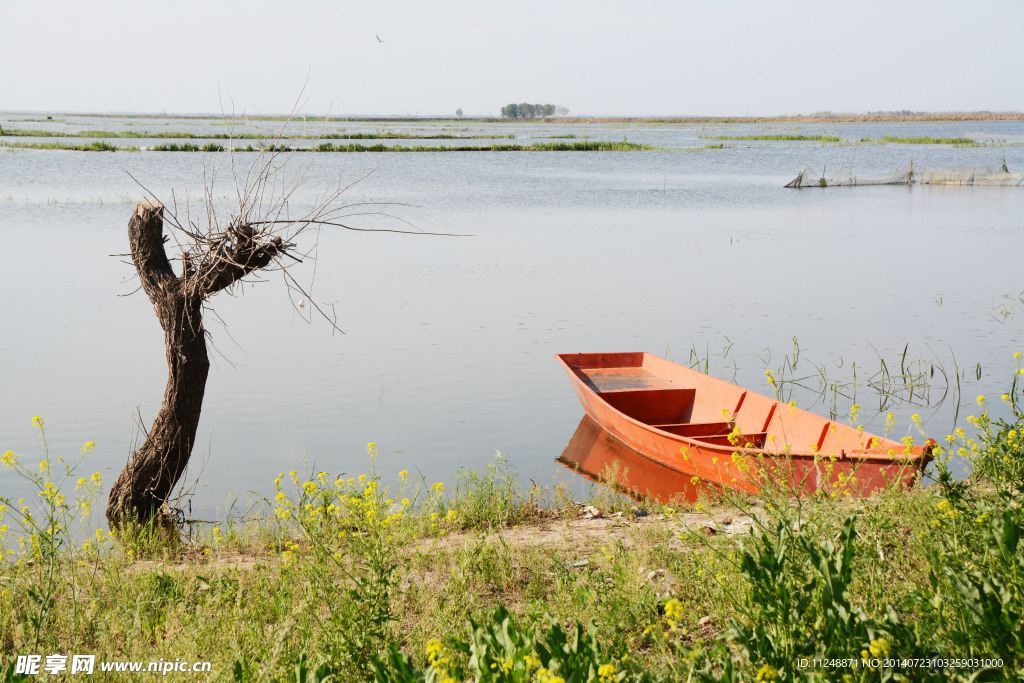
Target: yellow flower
column 438, row 487
column 44, row 466
column 694, row 480
column 38, row 422
column 96, row 477
column 767, row 672
column 88, row 447
column 434, row 649
column 674, row 609
column 9, row 459
column 605, row 672
column 403, row 475
column 879, row 648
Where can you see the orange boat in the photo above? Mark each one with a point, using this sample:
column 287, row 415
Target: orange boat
column 706, row 427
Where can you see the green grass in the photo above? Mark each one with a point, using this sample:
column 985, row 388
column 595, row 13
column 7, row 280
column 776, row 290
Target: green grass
column 383, row 576
column 799, row 138
column 188, row 147
column 590, row 146
column 90, row 147
column 959, row 142
column 181, row 135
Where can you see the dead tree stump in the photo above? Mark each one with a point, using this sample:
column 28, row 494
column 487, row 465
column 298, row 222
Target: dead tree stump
column 152, row 472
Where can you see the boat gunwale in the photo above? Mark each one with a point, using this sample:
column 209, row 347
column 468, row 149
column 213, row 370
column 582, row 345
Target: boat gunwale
column 914, row 458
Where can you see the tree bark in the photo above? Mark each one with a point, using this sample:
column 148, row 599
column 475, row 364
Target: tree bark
column 153, row 471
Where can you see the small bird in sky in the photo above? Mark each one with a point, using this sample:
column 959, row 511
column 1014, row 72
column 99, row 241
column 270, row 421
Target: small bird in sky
column 378, row 38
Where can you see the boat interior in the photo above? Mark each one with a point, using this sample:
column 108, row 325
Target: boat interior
column 687, row 403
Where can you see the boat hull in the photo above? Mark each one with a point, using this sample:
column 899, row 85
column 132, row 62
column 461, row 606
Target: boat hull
column 726, row 435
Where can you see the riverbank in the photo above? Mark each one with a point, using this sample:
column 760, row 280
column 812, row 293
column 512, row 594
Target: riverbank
column 382, row 575
column 797, row 118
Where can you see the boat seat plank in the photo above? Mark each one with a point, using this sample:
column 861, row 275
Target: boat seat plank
column 607, row 380
column 695, row 429
column 744, row 440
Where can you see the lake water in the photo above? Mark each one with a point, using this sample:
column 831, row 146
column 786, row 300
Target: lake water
column 448, row 351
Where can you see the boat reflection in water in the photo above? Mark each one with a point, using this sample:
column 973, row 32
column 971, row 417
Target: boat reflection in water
column 602, row 458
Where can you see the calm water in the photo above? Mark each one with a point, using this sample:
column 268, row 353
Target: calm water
column 448, row 348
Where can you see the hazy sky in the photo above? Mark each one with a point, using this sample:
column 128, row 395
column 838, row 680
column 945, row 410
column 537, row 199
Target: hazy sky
column 729, row 57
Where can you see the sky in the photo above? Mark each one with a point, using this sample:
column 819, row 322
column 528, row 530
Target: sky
column 599, row 58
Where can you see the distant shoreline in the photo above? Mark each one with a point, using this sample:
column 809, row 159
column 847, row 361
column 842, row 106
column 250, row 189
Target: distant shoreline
column 937, row 117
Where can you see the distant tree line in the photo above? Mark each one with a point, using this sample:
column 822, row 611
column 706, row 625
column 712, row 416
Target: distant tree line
column 524, row 110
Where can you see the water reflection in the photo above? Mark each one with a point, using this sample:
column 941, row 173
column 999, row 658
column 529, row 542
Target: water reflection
column 600, row 457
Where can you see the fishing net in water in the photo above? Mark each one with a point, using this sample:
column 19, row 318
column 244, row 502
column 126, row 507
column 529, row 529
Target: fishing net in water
column 972, row 176
column 807, row 178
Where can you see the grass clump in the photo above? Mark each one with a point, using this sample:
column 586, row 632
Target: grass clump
column 922, row 140
column 91, row 147
column 586, row 146
column 188, row 147
column 594, row 146
column 365, row 580
column 183, row 135
column 777, row 138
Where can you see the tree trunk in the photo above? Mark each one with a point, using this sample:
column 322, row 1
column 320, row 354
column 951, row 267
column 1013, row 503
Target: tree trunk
column 154, row 469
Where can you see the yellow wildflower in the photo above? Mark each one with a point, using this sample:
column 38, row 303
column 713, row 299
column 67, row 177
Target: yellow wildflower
column 879, row 648
column 674, row 609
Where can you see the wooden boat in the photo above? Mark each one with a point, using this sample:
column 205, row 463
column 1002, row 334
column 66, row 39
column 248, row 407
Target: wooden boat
column 706, row 427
